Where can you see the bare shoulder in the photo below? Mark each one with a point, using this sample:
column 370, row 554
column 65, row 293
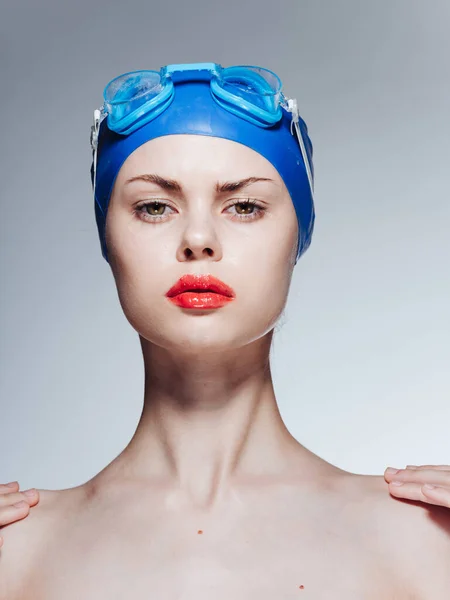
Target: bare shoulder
column 413, row 535
column 25, row 540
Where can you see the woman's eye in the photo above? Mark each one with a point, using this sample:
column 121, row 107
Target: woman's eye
column 156, row 209
column 247, row 209
column 152, row 211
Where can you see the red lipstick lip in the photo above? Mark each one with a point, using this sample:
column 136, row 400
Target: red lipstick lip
column 200, row 283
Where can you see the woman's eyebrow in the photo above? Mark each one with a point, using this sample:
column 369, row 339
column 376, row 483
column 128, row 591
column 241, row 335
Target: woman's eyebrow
column 172, row 185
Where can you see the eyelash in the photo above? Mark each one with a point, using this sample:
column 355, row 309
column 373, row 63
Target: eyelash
column 154, row 218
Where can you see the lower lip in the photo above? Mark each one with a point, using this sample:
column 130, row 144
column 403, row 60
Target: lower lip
column 200, row 300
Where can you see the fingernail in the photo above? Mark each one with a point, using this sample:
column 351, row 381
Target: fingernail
column 396, row 482
column 392, row 471
column 12, row 483
column 30, row 492
column 20, row 504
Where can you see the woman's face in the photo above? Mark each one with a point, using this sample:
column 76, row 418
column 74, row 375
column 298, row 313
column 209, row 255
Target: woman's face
column 201, row 230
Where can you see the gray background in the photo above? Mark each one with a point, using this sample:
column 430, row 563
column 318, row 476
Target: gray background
column 361, row 358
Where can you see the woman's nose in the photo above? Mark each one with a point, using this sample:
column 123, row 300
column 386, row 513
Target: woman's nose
column 200, row 240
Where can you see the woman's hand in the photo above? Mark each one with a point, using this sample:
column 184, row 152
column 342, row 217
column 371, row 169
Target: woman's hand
column 428, row 483
column 15, row 505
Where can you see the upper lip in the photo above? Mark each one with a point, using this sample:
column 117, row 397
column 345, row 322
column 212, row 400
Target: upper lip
column 192, row 282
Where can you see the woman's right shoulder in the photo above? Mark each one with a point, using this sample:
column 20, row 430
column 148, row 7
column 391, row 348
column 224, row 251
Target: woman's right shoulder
column 24, row 540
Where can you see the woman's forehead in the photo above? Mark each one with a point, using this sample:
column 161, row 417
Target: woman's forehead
column 187, row 155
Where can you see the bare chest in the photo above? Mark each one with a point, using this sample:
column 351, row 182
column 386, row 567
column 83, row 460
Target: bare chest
column 185, row 559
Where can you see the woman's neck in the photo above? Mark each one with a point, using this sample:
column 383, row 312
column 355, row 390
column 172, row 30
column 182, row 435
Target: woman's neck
column 209, row 423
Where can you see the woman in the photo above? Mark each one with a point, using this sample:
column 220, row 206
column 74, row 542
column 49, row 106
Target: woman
column 202, row 214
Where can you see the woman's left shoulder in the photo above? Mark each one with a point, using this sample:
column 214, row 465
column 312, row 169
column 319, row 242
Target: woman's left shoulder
column 413, row 535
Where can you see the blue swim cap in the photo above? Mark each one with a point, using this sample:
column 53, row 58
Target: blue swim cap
column 194, row 111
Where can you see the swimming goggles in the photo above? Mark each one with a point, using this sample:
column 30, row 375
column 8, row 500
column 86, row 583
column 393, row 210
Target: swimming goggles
column 253, row 93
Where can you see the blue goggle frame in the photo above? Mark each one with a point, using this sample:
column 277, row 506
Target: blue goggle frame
column 253, row 93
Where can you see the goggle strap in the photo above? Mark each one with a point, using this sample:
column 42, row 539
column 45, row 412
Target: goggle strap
column 94, row 139
column 293, row 108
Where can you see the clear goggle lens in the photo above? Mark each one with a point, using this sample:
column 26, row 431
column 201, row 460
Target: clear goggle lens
column 255, row 85
column 129, row 92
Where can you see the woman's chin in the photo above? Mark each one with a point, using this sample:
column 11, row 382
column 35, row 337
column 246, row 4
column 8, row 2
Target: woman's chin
column 193, row 341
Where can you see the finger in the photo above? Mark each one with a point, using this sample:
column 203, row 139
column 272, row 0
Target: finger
column 437, row 467
column 29, row 496
column 437, row 495
column 7, row 488
column 439, row 477
column 14, row 512
column 414, row 491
